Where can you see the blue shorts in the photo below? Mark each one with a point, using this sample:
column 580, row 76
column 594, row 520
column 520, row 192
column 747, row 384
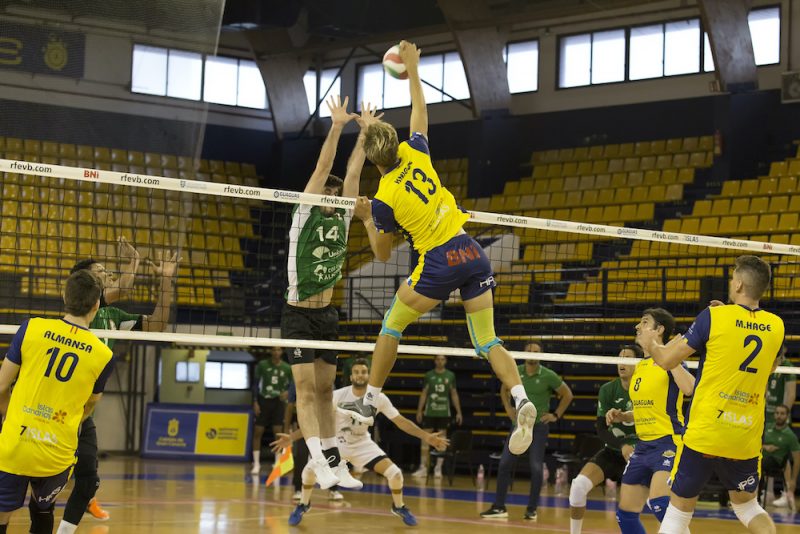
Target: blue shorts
column 44, row 490
column 460, row 263
column 649, row 458
column 693, row 469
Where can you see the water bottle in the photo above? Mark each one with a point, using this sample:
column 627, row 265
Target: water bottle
column 479, row 482
column 561, row 480
column 545, row 475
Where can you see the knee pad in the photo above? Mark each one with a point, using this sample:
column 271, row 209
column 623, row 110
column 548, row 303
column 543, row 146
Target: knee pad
column 394, row 476
column 42, row 520
column 308, row 476
column 659, row 507
column 481, row 331
column 580, row 488
column 86, row 487
column 747, row 511
column 397, row 318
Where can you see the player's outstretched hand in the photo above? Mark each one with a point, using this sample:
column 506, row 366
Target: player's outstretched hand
column 363, row 209
column 613, row 416
column 409, row 53
column 369, row 115
column 167, row 265
column 438, row 441
column 283, row 441
column 126, row 250
column 339, row 114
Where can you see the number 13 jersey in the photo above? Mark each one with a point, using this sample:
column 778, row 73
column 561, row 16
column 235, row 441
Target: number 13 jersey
column 61, row 366
column 737, row 348
column 412, row 200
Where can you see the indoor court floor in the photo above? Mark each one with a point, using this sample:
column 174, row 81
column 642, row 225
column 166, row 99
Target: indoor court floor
column 157, row 496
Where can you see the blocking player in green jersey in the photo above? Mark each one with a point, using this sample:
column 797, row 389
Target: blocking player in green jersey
column 433, row 412
column 271, row 379
column 781, row 389
column 619, row 438
column 87, row 481
column 317, row 248
column 781, row 451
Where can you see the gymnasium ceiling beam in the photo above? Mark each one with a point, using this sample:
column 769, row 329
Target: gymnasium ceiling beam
column 731, row 45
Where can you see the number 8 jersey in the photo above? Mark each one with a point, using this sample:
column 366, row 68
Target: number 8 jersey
column 61, row 366
column 737, row 348
column 412, row 200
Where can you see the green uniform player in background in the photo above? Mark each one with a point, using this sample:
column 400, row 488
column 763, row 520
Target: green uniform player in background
column 781, row 389
column 434, row 411
column 781, row 452
column 271, row 380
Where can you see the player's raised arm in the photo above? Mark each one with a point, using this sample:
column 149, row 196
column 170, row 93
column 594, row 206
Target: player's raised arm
column 167, row 269
column 116, row 289
column 339, row 117
column 409, row 53
column 356, row 162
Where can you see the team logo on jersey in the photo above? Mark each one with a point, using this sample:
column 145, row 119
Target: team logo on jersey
column 321, row 252
column 60, row 416
column 173, row 428
column 298, row 353
column 668, row 454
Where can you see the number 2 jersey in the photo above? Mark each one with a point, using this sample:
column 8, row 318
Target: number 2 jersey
column 737, row 348
column 412, row 200
column 61, row 366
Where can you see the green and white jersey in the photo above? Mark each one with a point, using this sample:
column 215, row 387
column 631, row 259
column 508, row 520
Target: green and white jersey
column 439, row 386
column 272, row 379
column 111, row 318
column 613, row 395
column 776, row 387
column 317, row 248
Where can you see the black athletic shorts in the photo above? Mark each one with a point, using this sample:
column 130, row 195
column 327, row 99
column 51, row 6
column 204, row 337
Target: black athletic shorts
column 320, row 324
column 272, row 411
column 611, row 462
column 437, row 423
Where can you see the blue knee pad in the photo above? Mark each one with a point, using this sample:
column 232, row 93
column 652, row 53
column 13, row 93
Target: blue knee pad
column 659, row 507
column 629, row 522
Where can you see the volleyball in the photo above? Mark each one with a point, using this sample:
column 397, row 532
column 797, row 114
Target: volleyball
column 393, row 65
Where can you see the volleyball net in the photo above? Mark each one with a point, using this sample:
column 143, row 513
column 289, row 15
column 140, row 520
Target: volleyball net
column 578, row 288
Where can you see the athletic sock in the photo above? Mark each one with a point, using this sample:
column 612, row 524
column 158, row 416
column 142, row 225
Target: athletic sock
column 629, row 523
column 257, row 457
column 575, row 526
column 518, row 394
column 315, row 449
column 306, row 496
column 372, row 395
column 66, row 528
column 333, row 456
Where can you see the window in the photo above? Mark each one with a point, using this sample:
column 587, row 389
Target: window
column 149, row 73
column 646, row 52
column 765, row 30
column 188, row 372
column 444, row 72
column 310, row 82
column 682, row 47
column 184, row 74
column 192, row 76
column 708, row 57
column 522, row 66
column 592, row 58
column 227, row 375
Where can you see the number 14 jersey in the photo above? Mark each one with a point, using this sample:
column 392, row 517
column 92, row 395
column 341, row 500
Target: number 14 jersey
column 61, row 366
column 737, row 348
column 412, row 200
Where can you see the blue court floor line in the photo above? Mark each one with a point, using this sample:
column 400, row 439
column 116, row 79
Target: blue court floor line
column 549, row 501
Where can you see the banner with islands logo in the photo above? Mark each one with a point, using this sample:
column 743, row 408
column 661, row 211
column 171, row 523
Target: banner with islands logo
column 42, row 50
column 198, row 432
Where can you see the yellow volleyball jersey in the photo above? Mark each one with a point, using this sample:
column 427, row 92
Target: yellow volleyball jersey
column 61, row 365
column 412, row 200
column 657, row 402
column 737, row 348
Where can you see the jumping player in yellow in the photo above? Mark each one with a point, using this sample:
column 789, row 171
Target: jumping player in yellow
column 60, row 369
column 412, row 200
column 738, row 345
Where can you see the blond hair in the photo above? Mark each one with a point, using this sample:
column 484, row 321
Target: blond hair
column 380, row 144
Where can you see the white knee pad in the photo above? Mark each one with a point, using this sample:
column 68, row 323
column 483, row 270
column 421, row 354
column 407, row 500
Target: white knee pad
column 394, row 476
column 579, row 490
column 309, row 477
column 747, row 511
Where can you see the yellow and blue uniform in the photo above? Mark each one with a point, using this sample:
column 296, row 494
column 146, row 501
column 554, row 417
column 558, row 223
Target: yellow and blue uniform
column 737, row 347
column 658, row 414
column 412, row 200
column 61, row 366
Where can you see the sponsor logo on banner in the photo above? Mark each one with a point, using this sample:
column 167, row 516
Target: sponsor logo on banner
column 512, row 220
column 245, row 191
column 556, row 224
column 734, row 243
column 25, row 166
column 173, row 428
column 591, row 229
column 289, row 195
column 187, row 184
column 627, row 231
column 136, row 179
column 91, row 173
